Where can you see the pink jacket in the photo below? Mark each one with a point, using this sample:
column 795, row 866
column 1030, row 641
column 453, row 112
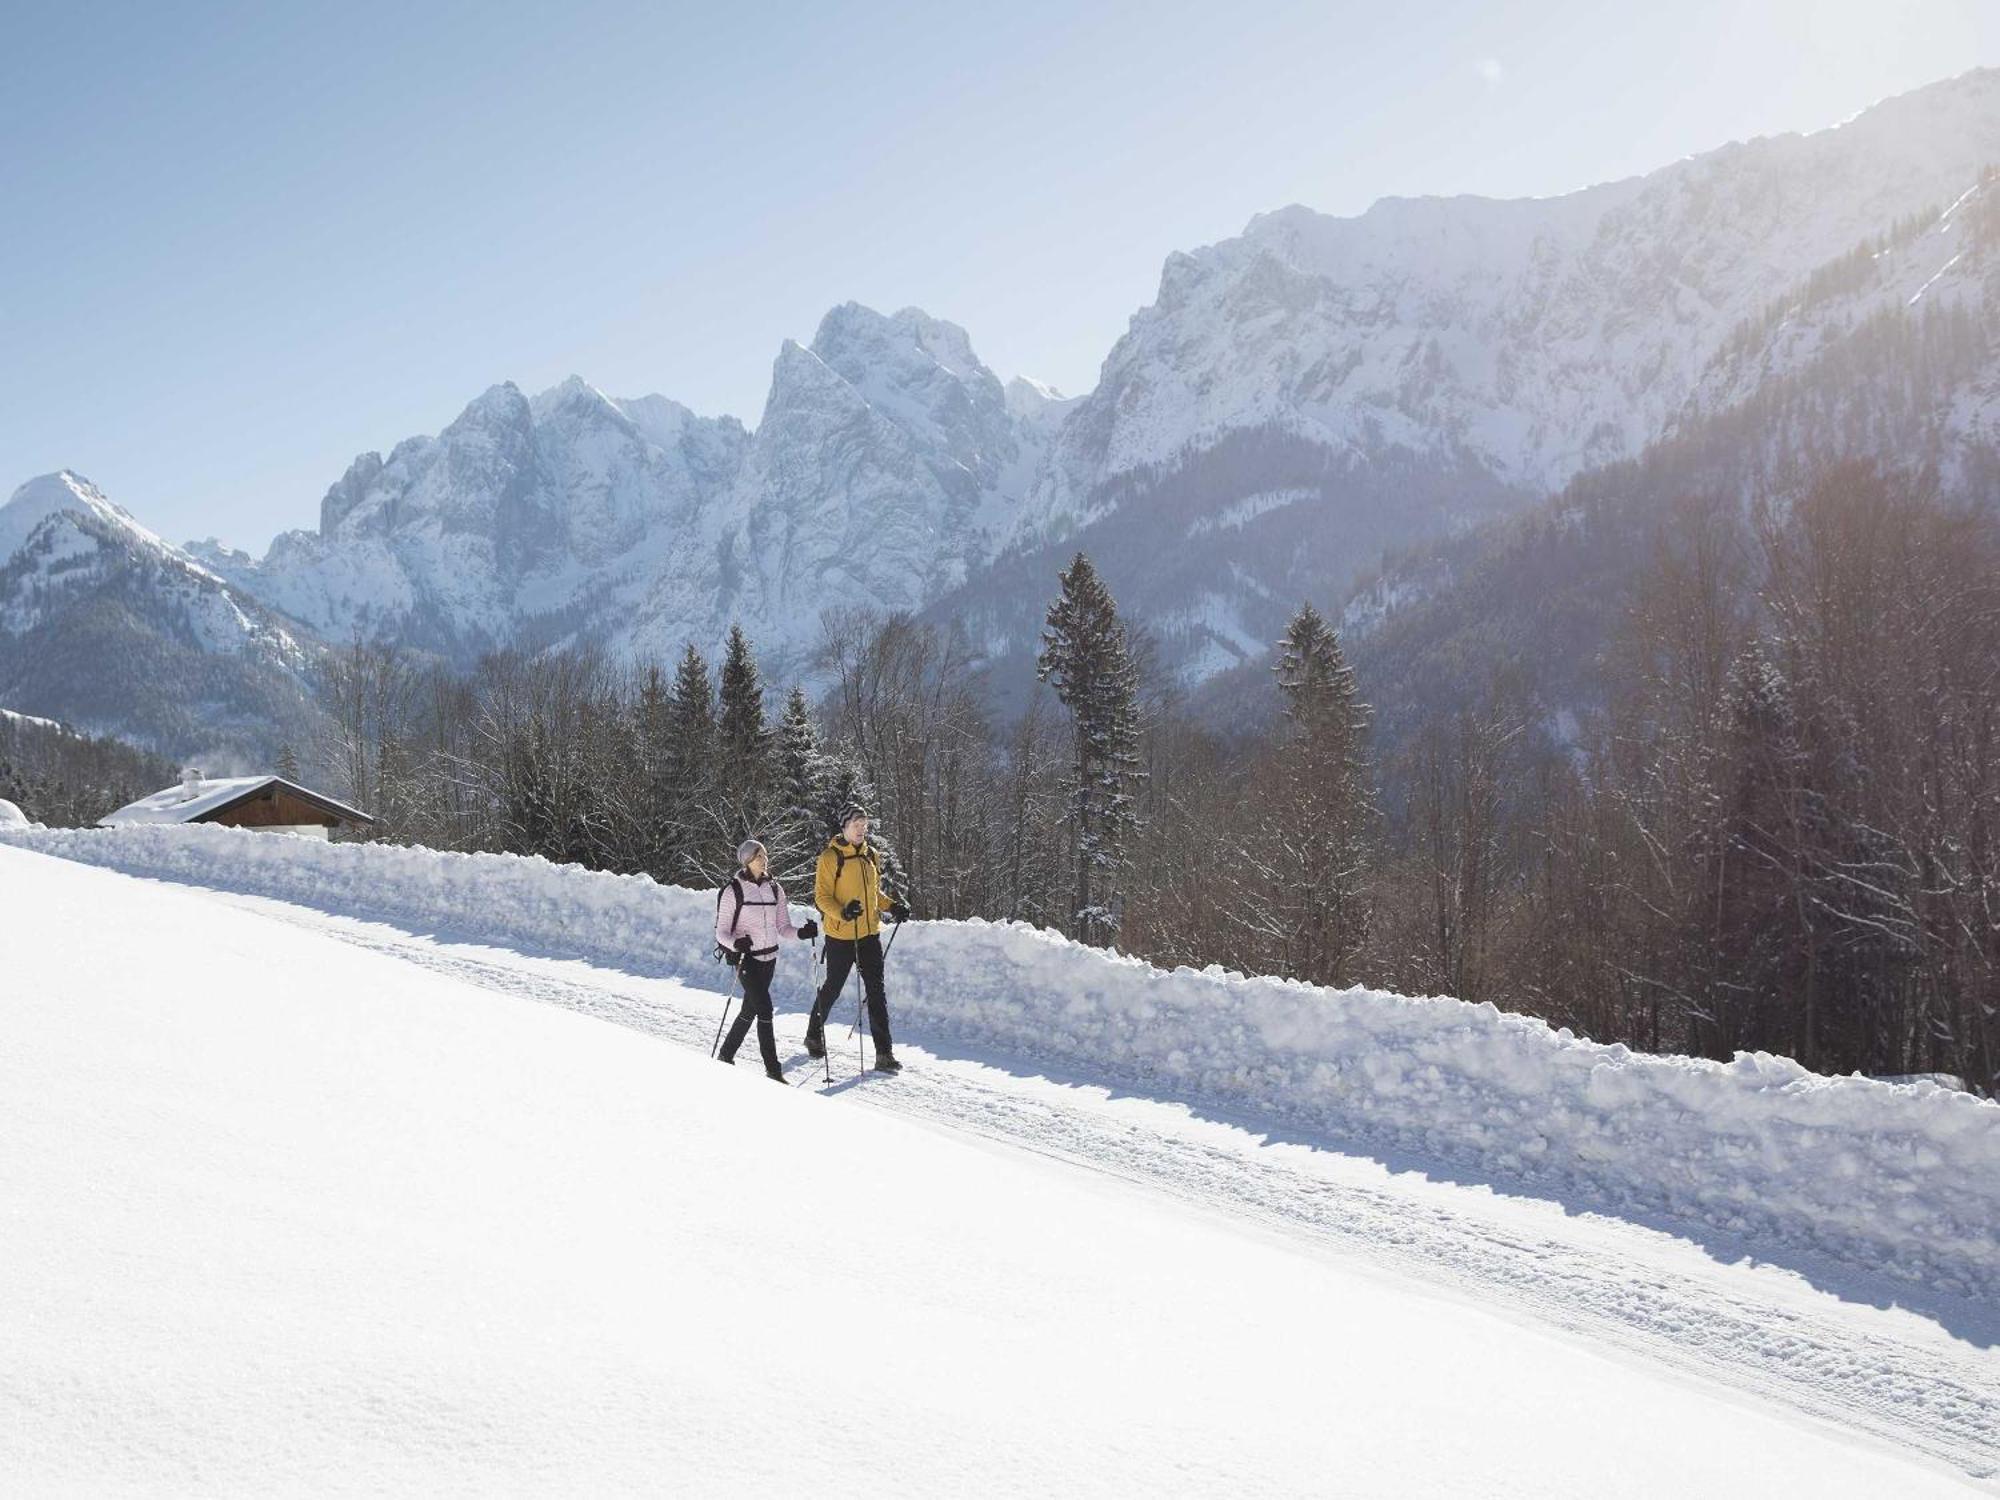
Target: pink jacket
column 766, row 916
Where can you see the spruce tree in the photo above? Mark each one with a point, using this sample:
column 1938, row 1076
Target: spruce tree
column 742, row 692
column 1086, row 659
column 743, row 744
column 801, row 770
column 652, row 776
column 799, row 759
column 844, row 785
column 692, row 829
column 1319, row 810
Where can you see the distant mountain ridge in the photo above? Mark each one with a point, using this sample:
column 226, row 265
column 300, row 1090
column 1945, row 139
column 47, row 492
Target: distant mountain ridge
column 1345, row 387
column 1298, row 404
column 1889, row 355
column 110, row 629
column 887, row 462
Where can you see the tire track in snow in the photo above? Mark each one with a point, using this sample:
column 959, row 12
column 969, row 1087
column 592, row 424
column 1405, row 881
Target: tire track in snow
column 1941, row 1400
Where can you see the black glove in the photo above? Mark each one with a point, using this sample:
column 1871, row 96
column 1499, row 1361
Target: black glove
column 809, row 931
column 898, row 912
column 743, row 944
column 851, row 910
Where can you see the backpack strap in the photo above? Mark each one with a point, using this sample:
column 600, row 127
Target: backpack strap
column 841, row 856
column 736, row 885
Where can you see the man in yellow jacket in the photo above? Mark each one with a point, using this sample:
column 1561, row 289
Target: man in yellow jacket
column 847, row 889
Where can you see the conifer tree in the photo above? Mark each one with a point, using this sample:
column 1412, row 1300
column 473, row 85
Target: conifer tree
column 652, row 776
column 1313, row 854
column 743, row 734
column 1086, row 659
column 690, row 779
column 799, row 759
column 743, row 743
column 801, row 769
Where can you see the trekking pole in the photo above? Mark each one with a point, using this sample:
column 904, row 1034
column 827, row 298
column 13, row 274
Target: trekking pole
column 894, row 932
column 860, row 990
column 825, row 1053
column 826, row 1058
column 727, row 1000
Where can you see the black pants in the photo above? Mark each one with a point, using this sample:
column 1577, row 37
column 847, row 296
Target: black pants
column 756, row 973
column 841, row 956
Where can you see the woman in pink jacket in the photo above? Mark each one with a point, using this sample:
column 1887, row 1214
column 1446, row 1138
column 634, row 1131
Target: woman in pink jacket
column 751, row 918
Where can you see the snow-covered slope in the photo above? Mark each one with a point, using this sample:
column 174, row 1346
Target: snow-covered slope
column 887, row 462
column 1927, row 289
column 1888, row 354
column 109, row 628
column 1904, row 1180
column 502, row 528
column 1319, row 391
column 1525, row 339
column 33, row 721
column 378, row 1230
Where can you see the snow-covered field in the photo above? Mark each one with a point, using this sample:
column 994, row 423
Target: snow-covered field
column 1900, row 1180
column 299, row 1200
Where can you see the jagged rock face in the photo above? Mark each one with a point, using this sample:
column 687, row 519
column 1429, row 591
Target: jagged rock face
column 504, row 526
column 1889, row 355
column 108, row 628
column 1525, row 339
column 1319, row 393
column 887, row 462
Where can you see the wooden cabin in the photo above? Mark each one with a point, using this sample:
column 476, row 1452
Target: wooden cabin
column 269, row 804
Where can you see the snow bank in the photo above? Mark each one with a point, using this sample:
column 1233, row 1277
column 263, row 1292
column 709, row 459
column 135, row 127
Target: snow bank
column 375, row 1231
column 1904, row 1179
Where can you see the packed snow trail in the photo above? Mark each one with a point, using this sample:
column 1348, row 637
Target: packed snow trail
column 1872, row 1368
column 288, row 1215
column 1880, row 1370
column 1899, row 1182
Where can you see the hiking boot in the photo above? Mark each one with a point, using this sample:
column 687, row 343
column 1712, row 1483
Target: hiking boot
column 776, row 1075
column 815, row 1040
column 886, row 1063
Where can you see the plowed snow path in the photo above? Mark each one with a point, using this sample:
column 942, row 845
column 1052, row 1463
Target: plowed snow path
column 1857, row 1362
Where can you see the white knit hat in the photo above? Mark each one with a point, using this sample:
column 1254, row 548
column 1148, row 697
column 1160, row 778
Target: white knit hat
column 748, row 850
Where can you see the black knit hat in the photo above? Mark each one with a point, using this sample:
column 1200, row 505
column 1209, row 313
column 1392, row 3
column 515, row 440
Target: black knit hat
column 852, row 811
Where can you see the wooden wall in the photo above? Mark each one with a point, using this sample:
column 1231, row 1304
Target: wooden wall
column 273, row 808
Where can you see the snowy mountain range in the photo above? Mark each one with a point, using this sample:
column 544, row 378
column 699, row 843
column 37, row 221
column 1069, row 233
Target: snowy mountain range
column 1297, row 402
column 887, row 465
column 110, row 628
column 1319, row 390
column 1886, row 355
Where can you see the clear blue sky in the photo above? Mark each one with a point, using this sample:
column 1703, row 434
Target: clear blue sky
column 241, row 243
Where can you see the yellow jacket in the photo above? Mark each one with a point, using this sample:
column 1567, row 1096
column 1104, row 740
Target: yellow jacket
column 846, row 873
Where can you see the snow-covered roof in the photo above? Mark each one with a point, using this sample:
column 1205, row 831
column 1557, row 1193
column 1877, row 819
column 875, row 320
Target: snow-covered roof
column 185, row 803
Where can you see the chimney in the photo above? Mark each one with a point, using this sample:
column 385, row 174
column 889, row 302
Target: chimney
column 190, row 784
